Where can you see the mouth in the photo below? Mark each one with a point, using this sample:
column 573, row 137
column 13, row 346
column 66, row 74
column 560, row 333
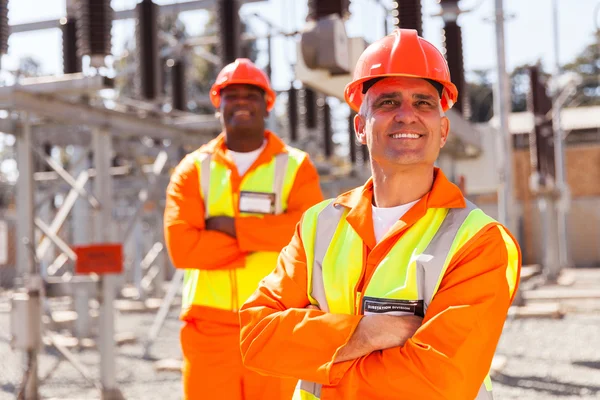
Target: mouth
column 406, row 136
column 242, row 113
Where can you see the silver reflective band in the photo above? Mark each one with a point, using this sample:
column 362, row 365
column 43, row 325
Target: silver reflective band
column 281, row 163
column 484, row 394
column 205, row 179
column 312, row 388
column 327, row 222
column 429, row 272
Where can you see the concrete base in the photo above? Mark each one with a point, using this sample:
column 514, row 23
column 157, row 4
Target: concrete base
column 111, row 394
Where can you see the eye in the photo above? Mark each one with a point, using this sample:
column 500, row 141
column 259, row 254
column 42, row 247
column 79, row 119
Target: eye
column 388, row 102
column 423, row 104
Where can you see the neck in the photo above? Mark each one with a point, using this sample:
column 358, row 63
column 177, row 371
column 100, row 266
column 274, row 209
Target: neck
column 393, row 187
column 243, row 142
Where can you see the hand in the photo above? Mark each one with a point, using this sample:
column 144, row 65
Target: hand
column 311, row 307
column 224, row 225
column 378, row 332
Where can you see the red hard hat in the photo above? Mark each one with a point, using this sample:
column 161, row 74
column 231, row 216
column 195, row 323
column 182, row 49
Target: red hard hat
column 402, row 53
column 241, row 71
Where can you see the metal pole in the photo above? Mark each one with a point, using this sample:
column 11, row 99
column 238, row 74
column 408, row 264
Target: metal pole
column 103, row 233
column 562, row 208
column 504, row 151
column 26, row 250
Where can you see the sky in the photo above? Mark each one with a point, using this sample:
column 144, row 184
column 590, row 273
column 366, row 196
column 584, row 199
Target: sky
column 528, row 30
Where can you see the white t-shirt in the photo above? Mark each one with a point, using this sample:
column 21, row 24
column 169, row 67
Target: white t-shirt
column 243, row 161
column 385, row 218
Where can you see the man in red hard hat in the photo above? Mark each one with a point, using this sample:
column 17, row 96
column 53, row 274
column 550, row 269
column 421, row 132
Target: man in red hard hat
column 398, row 289
column 232, row 205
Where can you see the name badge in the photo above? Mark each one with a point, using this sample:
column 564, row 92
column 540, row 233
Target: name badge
column 257, row 203
column 372, row 305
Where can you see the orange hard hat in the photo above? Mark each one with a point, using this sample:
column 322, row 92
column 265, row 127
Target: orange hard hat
column 401, row 53
column 241, row 71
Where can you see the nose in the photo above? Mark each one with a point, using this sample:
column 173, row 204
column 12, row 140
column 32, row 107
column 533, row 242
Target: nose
column 405, row 113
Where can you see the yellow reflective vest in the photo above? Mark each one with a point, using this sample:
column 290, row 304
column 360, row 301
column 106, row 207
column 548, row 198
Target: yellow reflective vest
column 405, row 281
column 229, row 289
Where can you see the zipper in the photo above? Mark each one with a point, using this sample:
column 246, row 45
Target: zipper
column 234, row 291
column 359, row 287
column 364, row 280
column 357, row 305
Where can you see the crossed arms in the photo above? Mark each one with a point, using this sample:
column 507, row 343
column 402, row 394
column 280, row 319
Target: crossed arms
column 447, row 356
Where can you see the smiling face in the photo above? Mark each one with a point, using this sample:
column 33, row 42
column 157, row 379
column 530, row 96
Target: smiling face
column 401, row 122
column 242, row 113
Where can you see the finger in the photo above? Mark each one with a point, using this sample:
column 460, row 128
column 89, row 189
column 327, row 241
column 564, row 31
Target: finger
column 312, row 307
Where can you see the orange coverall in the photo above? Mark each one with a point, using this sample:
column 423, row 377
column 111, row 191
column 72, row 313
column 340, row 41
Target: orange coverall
column 210, row 336
column 447, row 358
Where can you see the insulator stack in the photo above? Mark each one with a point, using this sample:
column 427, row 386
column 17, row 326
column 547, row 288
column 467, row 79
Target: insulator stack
column 407, row 15
column 71, row 58
column 453, row 47
column 293, row 112
column 318, row 8
column 148, row 62
column 541, row 140
column 178, row 93
column 310, row 108
column 94, row 22
column 4, row 26
column 229, row 31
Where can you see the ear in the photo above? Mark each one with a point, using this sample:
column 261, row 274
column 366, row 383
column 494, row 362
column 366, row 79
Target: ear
column 359, row 129
column 444, row 131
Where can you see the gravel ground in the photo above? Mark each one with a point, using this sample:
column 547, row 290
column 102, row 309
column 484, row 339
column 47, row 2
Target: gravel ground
column 546, row 359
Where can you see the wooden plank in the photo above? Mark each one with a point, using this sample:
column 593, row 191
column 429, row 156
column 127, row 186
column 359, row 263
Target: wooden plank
column 529, row 271
column 123, row 338
column 498, row 363
column 542, row 310
column 168, row 365
column 561, row 294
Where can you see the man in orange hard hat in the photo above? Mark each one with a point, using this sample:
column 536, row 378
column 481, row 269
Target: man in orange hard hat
column 232, row 205
column 398, row 289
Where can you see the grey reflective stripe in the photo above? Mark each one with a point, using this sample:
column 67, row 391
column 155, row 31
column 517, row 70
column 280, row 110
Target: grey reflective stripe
column 205, row 179
column 327, row 222
column 281, row 163
column 310, row 387
column 429, row 274
column 484, row 394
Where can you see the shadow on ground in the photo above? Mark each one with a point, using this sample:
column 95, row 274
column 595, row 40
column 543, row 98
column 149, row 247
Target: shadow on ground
column 548, row 385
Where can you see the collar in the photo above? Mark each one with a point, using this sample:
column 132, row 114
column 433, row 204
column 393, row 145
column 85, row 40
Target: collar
column 443, row 194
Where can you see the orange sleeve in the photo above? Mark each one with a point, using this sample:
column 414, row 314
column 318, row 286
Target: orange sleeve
column 305, row 192
column 450, row 355
column 279, row 336
column 189, row 244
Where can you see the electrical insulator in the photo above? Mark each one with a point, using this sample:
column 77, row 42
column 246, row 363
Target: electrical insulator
column 327, row 130
column 352, row 137
column 310, row 108
column 71, row 59
column 407, row 15
column 319, row 8
column 4, row 26
column 541, row 139
column 94, row 22
column 454, row 56
column 229, row 30
column 149, row 73
column 178, row 95
column 293, row 112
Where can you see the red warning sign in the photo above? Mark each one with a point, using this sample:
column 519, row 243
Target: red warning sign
column 103, row 258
